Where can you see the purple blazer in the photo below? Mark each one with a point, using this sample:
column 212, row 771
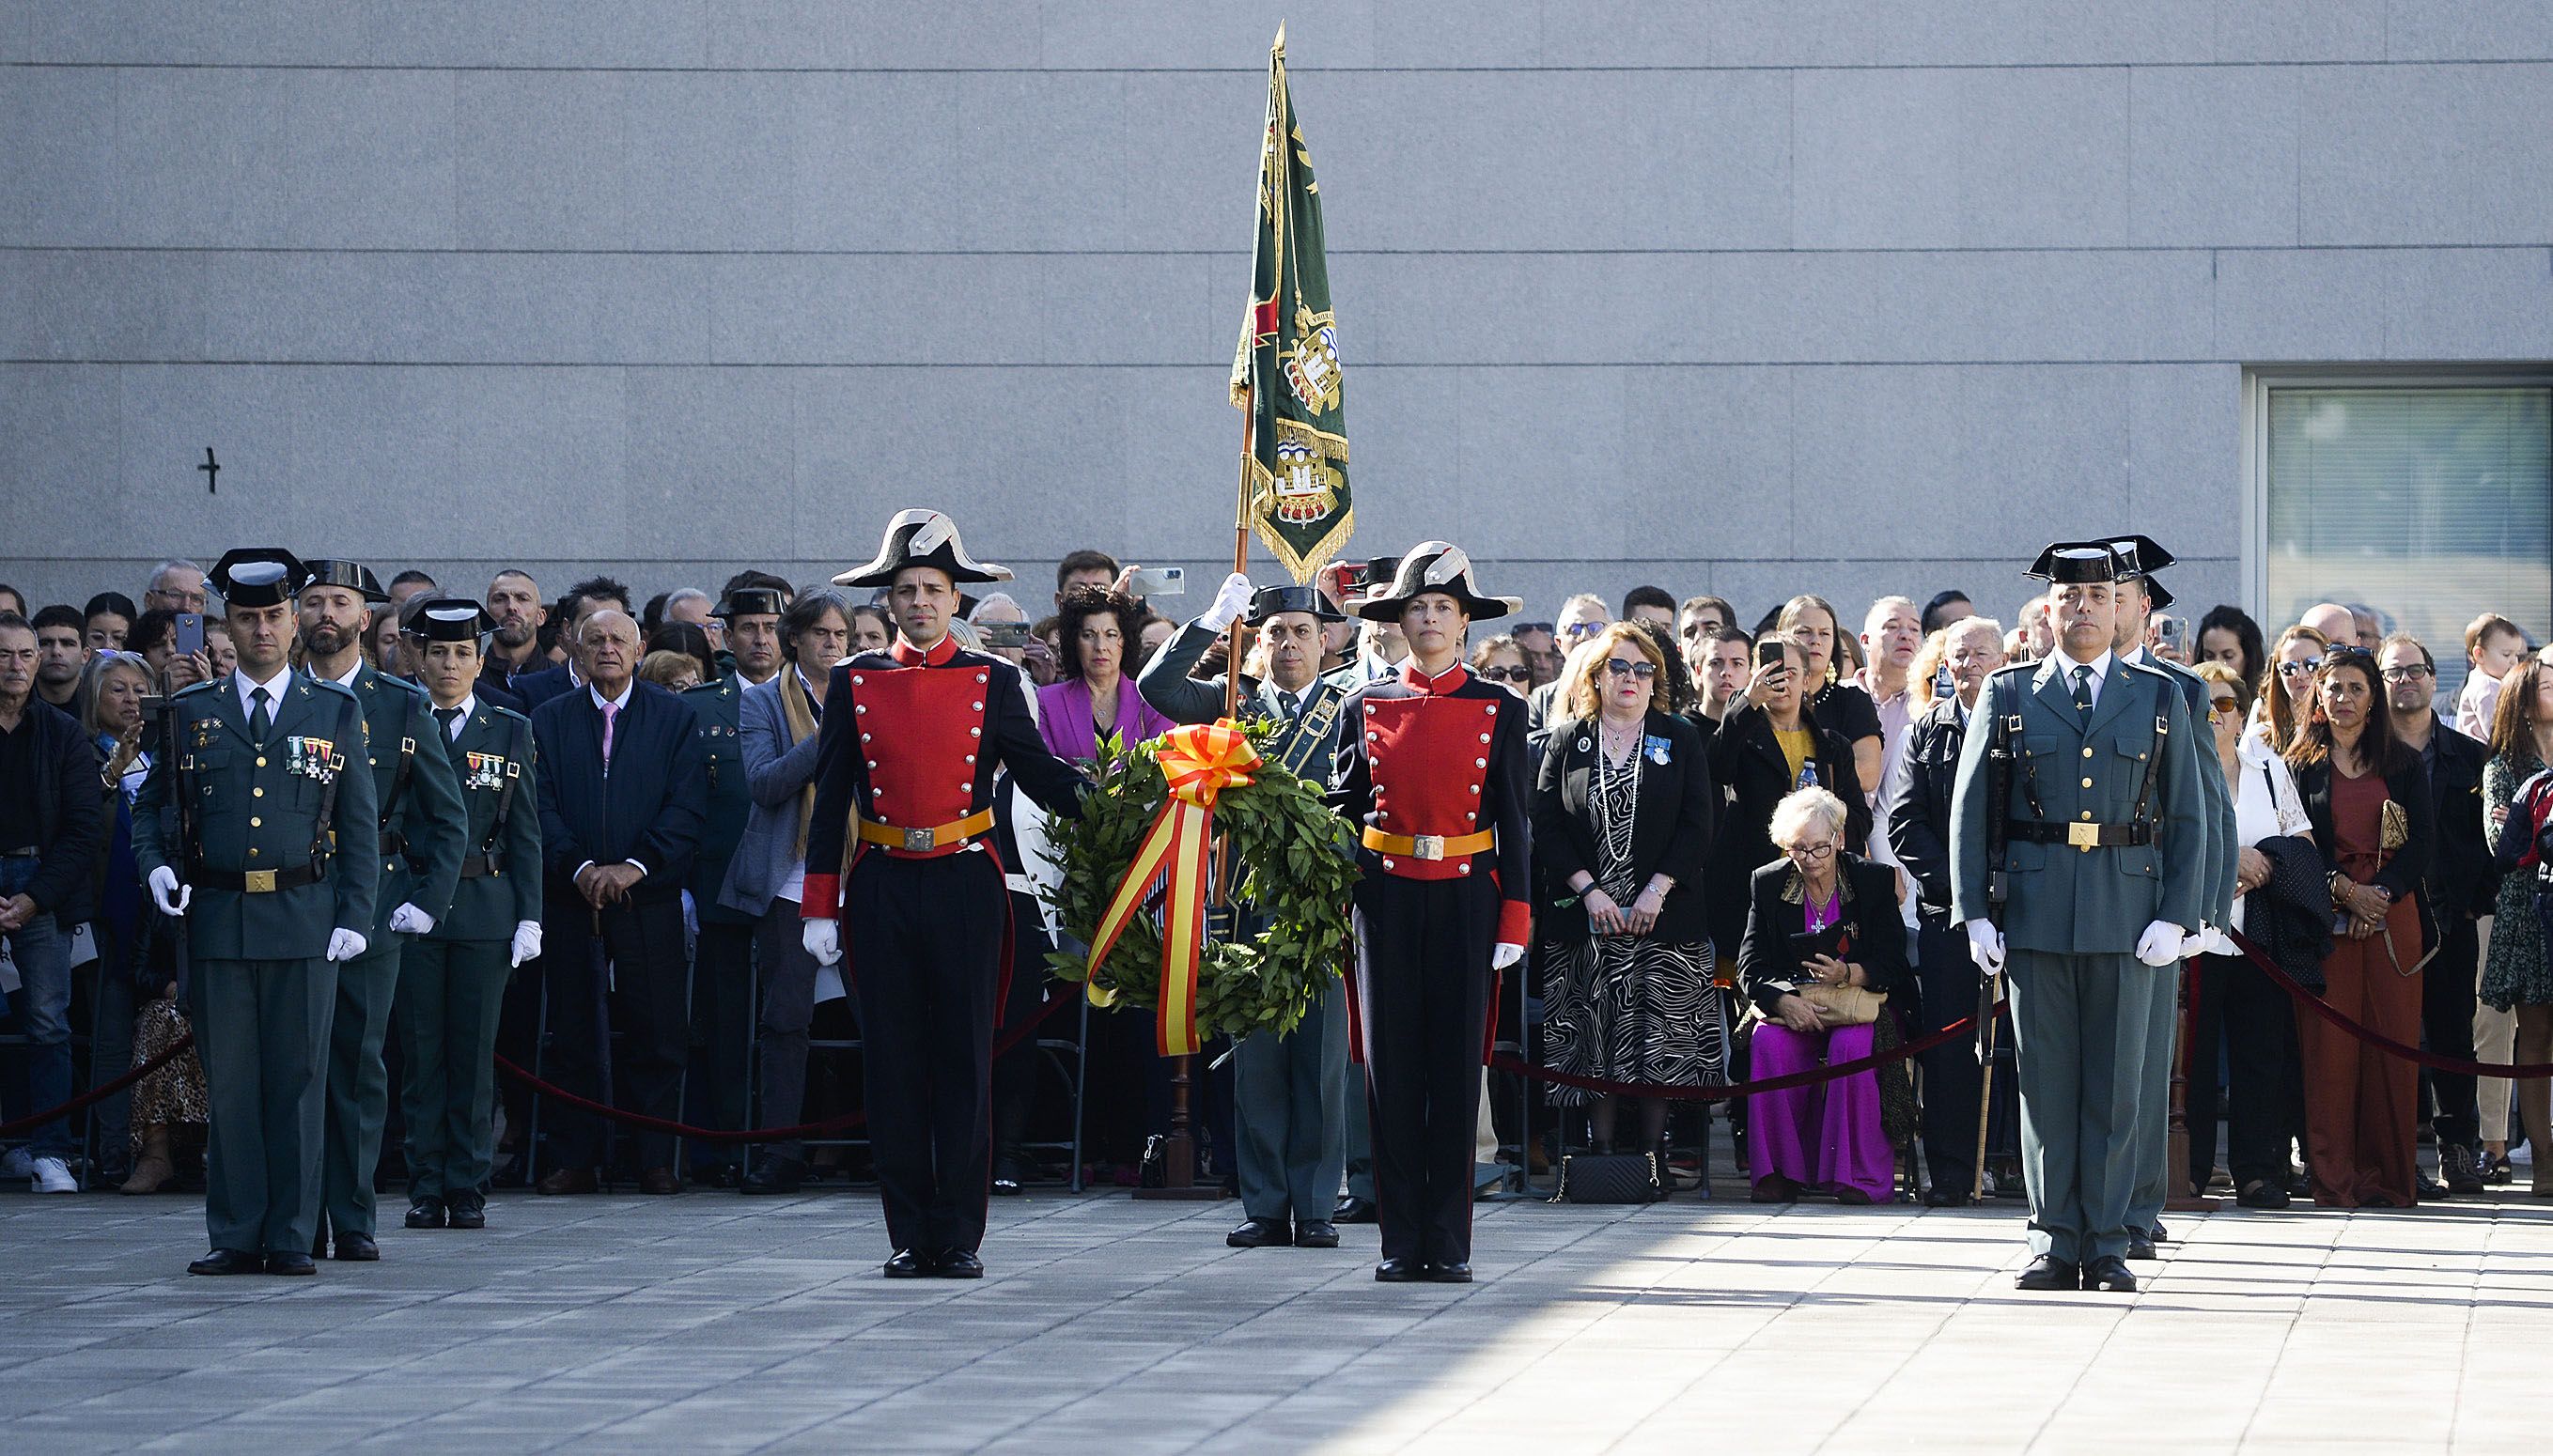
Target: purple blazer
column 1064, row 717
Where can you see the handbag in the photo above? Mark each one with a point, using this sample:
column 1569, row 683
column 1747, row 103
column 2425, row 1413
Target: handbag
column 1609, row 1177
column 1844, row 1005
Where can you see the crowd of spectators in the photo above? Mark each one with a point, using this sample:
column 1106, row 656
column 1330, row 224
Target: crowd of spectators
column 1739, row 838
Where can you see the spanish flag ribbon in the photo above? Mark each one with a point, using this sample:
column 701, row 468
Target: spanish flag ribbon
column 1200, row 761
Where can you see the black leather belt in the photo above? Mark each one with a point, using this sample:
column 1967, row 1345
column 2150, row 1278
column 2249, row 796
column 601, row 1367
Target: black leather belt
column 255, row 882
column 479, row 867
column 2084, row 835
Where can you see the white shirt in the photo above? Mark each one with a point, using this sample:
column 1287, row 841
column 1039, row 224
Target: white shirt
column 616, row 704
column 348, row 680
column 274, row 689
column 469, row 706
column 2100, row 666
column 2265, row 806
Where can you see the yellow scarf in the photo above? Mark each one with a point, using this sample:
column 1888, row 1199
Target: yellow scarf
column 801, row 717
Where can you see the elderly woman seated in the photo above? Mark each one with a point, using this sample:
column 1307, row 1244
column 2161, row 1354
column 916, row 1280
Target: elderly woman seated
column 1824, row 947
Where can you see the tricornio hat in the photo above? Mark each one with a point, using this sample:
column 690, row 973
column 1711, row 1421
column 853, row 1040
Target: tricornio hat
column 1435, row 567
column 355, row 576
column 448, row 620
column 257, row 576
column 2074, row 562
column 921, row 538
column 2141, row 558
column 1269, row 601
column 751, row 601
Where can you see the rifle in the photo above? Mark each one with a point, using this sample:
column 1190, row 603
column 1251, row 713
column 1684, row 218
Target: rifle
column 1999, row 771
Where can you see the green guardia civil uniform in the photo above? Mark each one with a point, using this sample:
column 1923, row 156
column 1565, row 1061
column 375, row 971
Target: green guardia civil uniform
column 278, row 826
column 2097, row 795
column 723, row 955
column 417, row 841
column 452, row 987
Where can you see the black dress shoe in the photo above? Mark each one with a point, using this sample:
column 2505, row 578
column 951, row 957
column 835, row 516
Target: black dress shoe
column 2109, row 1274
column 2158, row 1233
column 957, row 1264
column 427, row 1213
column 566, row 1181
column 358, row 1248
column 659, row 1182
column 2261, row 1194
column 1354, row 1210
column 908, row 1265
column 1939, row 1196
column 1261, row 1233
column 2140, row 1247
column 1398, row 1271
column 1316, row 1235
column 228, row 1261
column 1449, row 1274
column 470, row 1212
column 776, row 1175
column 2048, row 1271
column 293, row 1262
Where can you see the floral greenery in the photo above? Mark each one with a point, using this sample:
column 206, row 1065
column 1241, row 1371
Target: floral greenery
column 1295, row 866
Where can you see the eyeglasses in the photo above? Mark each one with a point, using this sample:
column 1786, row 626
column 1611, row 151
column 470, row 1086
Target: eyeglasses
column 2220, row 707
column 2408, row 673
column 2300, row 666
column 1582, row 629
column 1643, row 671
column 1522, row 628
column 1813, row 853
column 2349, row 650
column 1507, row 674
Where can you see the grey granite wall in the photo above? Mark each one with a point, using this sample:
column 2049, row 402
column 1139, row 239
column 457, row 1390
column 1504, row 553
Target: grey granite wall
column 1748, row 296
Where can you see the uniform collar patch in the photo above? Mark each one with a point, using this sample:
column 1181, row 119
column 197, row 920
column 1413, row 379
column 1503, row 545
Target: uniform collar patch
column 910, row 656
column 1450, row 680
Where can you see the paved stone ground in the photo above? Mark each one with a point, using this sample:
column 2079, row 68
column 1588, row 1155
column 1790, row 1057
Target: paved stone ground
column 708, row 1322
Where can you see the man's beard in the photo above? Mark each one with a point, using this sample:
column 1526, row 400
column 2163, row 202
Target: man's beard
column 328, row 639
column 514, row 632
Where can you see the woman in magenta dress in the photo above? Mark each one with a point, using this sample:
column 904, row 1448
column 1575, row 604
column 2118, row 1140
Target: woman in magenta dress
column 1821, row 918
column 1096, row 697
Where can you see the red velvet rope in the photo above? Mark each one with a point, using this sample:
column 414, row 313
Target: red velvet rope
column 101, row 1092
column 1721, row 1091
column 2377, row 1039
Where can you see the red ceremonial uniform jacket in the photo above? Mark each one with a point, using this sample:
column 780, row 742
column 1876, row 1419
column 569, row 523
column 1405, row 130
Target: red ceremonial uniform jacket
column 913, row 739
column 1444, row 757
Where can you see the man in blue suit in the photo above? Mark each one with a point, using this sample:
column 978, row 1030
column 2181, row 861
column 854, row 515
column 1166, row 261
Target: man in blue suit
column 624, row 792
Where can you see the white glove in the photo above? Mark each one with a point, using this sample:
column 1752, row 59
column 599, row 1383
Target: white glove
column 1502, row 954
column 527, row 941
column 166, row 893
column 1985, row 946
column 1231, row 604
column 2160, row 944
column 823, row 940
column 345, row 945
column 2203, row 938
column 407, row 919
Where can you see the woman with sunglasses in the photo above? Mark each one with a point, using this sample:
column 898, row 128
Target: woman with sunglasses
column 2369, row 799
column 1501, row 660
column 1621, row 825
column 1822, row 922
column 2239, row 1007
column 2287, row 691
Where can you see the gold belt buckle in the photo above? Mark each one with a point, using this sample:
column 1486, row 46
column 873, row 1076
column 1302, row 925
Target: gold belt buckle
column 2082, row 836
column 921, row 841
column 1427, row 845
column 258, row 881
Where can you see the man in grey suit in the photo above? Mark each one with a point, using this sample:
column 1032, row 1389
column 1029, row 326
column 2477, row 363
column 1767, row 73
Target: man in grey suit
column 767, row 876
column 1289, row 1092
column 2100, row 770
column 2140, row 595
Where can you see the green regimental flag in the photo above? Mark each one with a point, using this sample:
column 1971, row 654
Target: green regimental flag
column 1285, row 371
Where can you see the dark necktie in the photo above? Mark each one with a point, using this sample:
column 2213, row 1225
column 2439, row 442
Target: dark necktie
column 444, row 717
column 2082, row 688
column 260, row 722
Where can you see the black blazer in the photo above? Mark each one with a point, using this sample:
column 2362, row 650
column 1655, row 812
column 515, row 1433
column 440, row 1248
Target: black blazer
column 1753, row 777
column 2409, row 785
column 651, row 808
column 1768, row 963
column 2463, row 876
column 1671, row 830
column 1918, row 813
column 72, row 824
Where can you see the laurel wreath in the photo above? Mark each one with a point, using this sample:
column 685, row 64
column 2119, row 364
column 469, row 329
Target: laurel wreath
column 1294, row 866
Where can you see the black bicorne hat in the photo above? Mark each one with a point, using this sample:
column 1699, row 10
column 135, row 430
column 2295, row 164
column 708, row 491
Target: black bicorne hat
column 2141, row 558
column 1435, row 567
column 921, row 538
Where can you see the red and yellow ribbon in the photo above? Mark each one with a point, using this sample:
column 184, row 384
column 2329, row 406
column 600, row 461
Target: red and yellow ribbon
column 1200, row 762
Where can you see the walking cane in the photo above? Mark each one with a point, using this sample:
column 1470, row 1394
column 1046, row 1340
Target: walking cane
column 599, row 960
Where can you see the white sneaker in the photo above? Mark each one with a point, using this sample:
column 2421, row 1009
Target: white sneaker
column 51, row 1176
column 16, row 1163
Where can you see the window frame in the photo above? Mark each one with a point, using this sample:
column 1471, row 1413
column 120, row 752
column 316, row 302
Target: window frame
column 2260, row 380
